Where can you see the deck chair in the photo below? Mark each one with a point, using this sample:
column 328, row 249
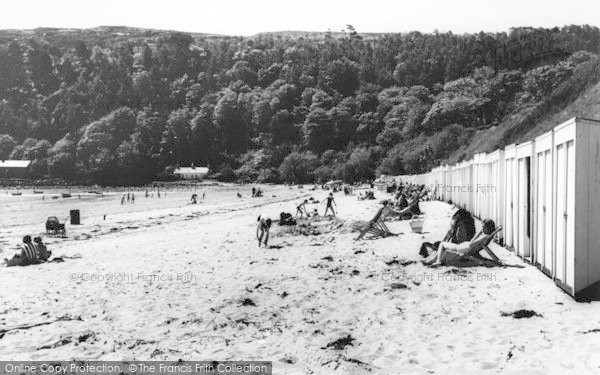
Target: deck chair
column 482, row 243
column 55, row 228
column 376, row 226
column 406, row 212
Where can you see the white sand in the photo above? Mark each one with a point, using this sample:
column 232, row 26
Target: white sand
column 209, row 262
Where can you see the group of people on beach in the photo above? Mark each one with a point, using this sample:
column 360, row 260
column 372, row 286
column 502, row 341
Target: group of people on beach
column 329, row 204
column 32, row 252
column 129, row 198
column 460, row 242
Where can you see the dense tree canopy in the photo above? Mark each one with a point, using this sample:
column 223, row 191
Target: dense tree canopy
column 93, row 106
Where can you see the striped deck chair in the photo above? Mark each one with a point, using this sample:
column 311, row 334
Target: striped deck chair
column 29, row 252
column 377, row 225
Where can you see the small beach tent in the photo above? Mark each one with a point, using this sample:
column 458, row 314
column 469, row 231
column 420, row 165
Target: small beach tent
column 509, row 195
column 191, row 173
column 524, row 204
column 543, row 205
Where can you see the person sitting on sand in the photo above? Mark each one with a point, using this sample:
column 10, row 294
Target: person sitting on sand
column 42, row 251
column 301, row 209
column 330, row 202
column 462, row 229
column 194, row 198
column 467, row 248
column 262, row 231
column 27, row 256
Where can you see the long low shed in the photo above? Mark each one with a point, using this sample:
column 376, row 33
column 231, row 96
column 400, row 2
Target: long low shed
column 546, row 195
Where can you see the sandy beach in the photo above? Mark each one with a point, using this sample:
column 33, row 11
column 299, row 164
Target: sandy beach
column 189, row 282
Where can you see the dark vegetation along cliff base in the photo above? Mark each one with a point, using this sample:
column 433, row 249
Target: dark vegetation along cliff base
column 122, row 105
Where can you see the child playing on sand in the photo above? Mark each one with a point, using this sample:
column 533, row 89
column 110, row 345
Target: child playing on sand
column 330, row 202
column 262, row 231
column 301, row 209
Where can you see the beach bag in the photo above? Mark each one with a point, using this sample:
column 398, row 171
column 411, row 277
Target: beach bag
column 416, row 225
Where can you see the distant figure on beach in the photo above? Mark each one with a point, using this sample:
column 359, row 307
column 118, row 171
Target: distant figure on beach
column 128, row 197
column 239, row 195
column 147, row 193
column 467, row 248
column 330, row 203
column 194, row 198
column 123, row 200
column 203, row 195
column 262, row 231
column 253, row 191
column 132, row 198
column 301, row 209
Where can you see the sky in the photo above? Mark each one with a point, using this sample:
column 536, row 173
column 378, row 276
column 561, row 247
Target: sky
column 248, row 17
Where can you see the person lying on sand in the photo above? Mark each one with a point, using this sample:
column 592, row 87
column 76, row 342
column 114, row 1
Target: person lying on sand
column 301, row 209
column 262, row 231
column 462, row 229
column 467, row 248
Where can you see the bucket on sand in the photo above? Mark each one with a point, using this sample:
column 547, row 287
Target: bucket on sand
column 416, row 225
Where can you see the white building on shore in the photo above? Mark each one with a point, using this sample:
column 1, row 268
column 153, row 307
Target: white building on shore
column 191, row 173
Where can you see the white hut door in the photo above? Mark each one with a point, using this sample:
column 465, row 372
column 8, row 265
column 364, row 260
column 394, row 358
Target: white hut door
column 570, row 218
column 540, row 218
column 509, row 204
column 560, row 213
column 524, row 213
column 548, row 184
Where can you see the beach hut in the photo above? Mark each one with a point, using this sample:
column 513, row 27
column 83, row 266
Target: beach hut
column 494, row 189
column 523, row 200
column 543, row 205
column 509, row 195
column 477, row 169
column 576, row 214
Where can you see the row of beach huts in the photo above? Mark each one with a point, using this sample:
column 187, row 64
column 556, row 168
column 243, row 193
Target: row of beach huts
column 546, row 195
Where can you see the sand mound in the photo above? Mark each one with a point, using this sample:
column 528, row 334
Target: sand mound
column 313, row 226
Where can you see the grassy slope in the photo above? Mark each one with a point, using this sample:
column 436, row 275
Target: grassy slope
column 578, row 96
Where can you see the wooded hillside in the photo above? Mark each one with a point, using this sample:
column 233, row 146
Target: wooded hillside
column 119, row 105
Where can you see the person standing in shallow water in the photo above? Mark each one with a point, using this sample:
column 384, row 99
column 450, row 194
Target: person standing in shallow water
column 330, row 202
